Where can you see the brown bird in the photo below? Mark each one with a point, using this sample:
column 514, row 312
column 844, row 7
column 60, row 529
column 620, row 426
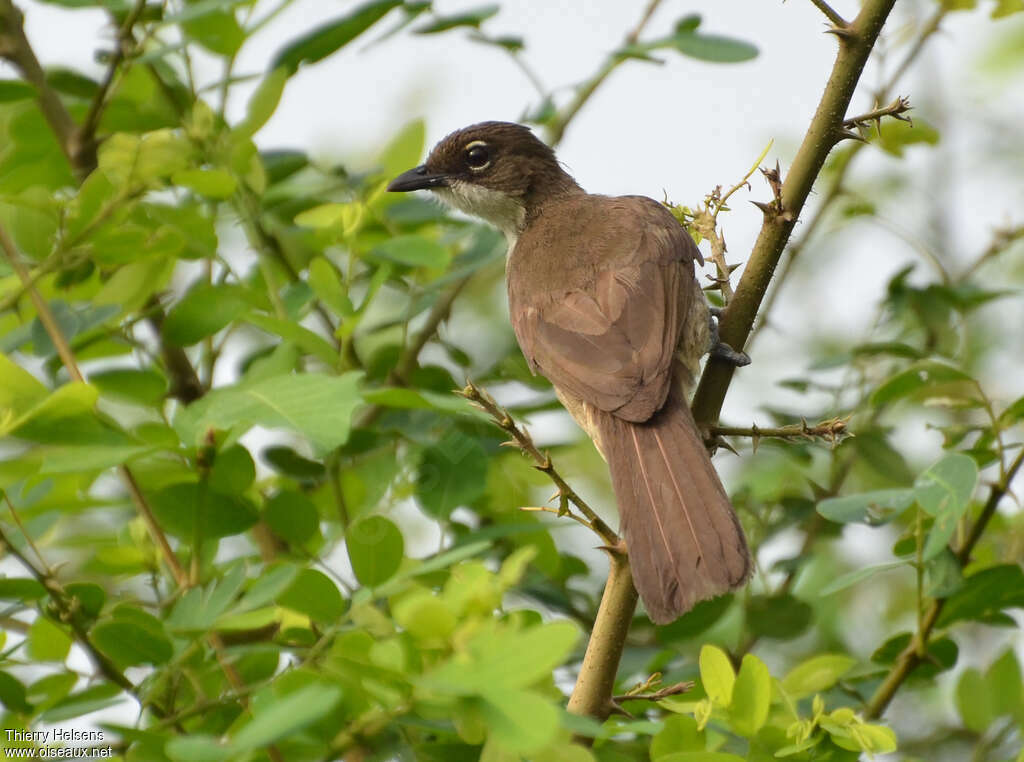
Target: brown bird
column 605, row 304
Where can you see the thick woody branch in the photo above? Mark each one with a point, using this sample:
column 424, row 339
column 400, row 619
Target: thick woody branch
column 738, row 318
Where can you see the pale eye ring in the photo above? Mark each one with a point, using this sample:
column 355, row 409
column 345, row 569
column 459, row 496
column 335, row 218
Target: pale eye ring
column 478, row 156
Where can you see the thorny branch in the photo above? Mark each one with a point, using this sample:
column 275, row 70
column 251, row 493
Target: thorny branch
column 542, row 462
column 833, row 430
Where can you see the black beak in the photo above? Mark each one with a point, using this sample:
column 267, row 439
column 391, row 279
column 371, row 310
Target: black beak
column 417, row 178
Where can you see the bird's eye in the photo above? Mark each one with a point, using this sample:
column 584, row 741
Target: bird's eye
column 477, row 156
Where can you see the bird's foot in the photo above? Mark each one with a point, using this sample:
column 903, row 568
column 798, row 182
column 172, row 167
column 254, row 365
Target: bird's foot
column 721, row 350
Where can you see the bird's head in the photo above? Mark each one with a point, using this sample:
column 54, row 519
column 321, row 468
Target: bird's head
column 498, row 171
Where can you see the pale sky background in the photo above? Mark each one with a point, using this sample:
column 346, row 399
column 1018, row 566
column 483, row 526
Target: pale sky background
column 683, row 127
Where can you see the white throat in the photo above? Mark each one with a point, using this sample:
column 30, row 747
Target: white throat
column 505, row 212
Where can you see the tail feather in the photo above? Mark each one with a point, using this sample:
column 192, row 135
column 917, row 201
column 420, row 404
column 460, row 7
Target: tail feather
column 684, row 539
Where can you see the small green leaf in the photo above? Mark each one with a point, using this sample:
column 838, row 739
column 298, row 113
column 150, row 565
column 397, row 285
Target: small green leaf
column 202, row 312
column 974, row 701
column 233, row 471
column 326, row 284
column 844, row 581
column 197, row 748
column 146, row 386
column 189, row 508
column 315, row 595
column 519, row 721
column 20, row 589
column 332, row 36
column 217, row 31
column 717, row 675
column 263, row 102
column 212, row 183
column 925, row 375
column 404, row 149
column 452, row 474
column 778, row 616
column 129, row 642
column 1005, row 686
column 292, row 516
column 413, row 251
column 896, row 135
column 875, row 507
column 817, row 674
column 942, row 654
column 13, row 694
column 985, row 594
column 286, row 715
column 47, row 641
column 946, row 486
column 375, row 548
column 751, row 697
column 472, row 18
column 315, row 405
column 679, row 734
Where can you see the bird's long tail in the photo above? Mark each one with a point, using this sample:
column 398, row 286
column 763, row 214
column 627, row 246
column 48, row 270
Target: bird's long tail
column 684, row 539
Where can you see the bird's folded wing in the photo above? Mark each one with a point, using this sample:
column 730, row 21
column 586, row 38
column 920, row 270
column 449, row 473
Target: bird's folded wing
column 612, row 345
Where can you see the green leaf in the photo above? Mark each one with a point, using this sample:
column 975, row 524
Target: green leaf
column 332, row 36
column 196, row 748
column 947, row 485
column 292, row 517
column 922, row 376
column 984, row 595
column 299, row 335
column 217, row 31
column 212, row 183
column 817, row 674
column 129, row 641
column 13, row 695
column 974, row 701
column 426, row 617
column 705, row 47
column 15, row 90
column 451, row 475
column 199, row 608
column 896, row 135
column 679, row 734
column 404, row 149
column 47, row 641
column 472, row 18
column 942, row 654
column 232, row 472
column 1005, row 686
column 133, row 159
column 20, row 589
column 518, row 720
column 1013, row 413
column 263, row 102
column 701, row 756
column 315, row 405
column 717, row 675
column 202, row 312
column 19, row 389
column 500, row 659
column 281, row 718
column 315, row 595
column 844, row 581
column 91, row 699
column 874, row 508
column 778, row 616
column 189, row 508
column 751, row 697
column 326, row 284
column 413, row 251
column 146, row 386
column 375, row 548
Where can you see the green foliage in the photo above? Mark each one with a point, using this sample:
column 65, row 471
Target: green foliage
column 263, row 527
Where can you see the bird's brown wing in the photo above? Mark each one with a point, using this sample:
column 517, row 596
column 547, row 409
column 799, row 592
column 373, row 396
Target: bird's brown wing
column 612, row 344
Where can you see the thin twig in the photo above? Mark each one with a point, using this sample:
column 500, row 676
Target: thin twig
column 542, row 461
column 896, row 110
column 833, row 430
